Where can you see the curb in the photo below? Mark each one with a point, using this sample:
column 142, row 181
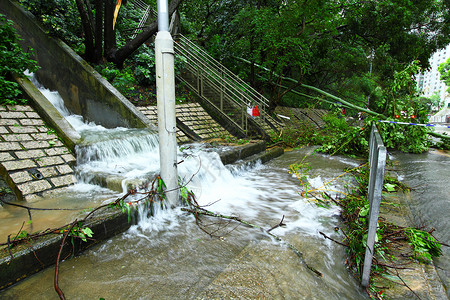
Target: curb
column 43, row 252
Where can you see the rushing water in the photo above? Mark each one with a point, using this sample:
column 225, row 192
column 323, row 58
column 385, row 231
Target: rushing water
column 428, row 175
column 168, row 257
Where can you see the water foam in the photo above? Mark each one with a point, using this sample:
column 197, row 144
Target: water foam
column 249, row 192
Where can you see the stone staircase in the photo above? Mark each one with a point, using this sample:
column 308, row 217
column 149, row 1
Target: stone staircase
column 223, row 94
column 193, row 122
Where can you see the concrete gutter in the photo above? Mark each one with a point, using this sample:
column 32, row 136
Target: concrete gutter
column 242, row 152
column 50, row 114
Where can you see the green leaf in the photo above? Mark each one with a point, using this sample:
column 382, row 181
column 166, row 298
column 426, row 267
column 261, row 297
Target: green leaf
column 390, row 187
column 87, row 231
column 364, row 211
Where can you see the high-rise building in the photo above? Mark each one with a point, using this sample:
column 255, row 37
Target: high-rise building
column 429, row 82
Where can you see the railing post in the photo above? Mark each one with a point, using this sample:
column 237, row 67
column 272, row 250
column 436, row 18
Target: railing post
column 202, row 83
column 198, row 80
column 221, row 89
column 243, row 112
column 246, row 120
column 377, row 162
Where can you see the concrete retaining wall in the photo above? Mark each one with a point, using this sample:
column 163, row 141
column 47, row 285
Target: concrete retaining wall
column 26, row 261
column 84, row 91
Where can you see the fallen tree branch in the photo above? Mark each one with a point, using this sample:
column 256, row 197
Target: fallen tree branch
column 327, row 237
column 326, row 94
column 281, row 224
column 55, row 282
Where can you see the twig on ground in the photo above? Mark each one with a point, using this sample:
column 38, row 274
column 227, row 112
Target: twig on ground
column 327, row 237
column 198, row 210
column 281, row 224
column 55, row 282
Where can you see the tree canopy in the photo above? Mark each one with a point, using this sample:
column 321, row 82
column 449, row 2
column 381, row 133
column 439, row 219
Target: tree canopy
column 444, row 70
column 351, row 48
column 296, row 52
column 348, row 47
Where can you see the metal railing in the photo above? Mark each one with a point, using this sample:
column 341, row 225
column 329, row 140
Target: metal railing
column 213, row 82
column 148, row 12
column 377, row 162
column 228, row 88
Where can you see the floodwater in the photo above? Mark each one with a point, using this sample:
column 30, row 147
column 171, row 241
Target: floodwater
column 428, row 175
column 168, row 257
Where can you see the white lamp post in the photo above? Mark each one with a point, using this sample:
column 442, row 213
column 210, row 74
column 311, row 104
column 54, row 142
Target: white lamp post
column 165, row 86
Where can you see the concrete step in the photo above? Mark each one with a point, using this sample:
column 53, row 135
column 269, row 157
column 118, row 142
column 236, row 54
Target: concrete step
column 242, row 152
column 261, row 157
column 120, row 183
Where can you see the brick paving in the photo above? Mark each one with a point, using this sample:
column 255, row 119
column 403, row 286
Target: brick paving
column 35, row 161
column 32, row 157
column 193, row 116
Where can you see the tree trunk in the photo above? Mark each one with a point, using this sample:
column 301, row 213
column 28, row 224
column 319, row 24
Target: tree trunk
column 119, row 56
column 98, row 29
column 88, row 32
column 109, row 32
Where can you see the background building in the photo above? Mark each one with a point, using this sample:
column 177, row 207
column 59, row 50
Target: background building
column 429, row 82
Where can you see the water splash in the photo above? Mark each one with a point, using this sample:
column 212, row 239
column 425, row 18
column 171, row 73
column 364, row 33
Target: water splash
column 255, row 193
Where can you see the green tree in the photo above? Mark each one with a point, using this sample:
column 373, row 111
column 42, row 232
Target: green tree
column 436, row 102
column 13, row 60
column 402, row 103
column 444, row 70
column 350, row 48
column 93, row 21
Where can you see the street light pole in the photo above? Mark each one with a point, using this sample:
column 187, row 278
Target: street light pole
column 165, row 86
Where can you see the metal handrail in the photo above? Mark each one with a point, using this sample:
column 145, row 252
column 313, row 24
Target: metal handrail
column 140, row 4
column 230, row 87
column 148, row 11
column 209, row 73
column 227, row 75
column 209, row 78
column 205, row 79
column 242, row 128
column 213, row 75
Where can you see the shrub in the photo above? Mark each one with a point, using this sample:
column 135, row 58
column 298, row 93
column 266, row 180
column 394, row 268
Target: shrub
column 343, row 138
column 59, row 18
column 12, row 60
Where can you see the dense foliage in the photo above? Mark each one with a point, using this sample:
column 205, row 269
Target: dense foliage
column 59, row 18
column 444, row 70
column 350, row 48
column 12, row 60
column 355, row 213
column 360, row 51
column 391, row 241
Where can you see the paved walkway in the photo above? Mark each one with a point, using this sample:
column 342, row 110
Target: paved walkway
column 31, row 156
